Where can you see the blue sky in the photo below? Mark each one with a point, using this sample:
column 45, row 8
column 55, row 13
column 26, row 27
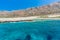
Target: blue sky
column 22, row 4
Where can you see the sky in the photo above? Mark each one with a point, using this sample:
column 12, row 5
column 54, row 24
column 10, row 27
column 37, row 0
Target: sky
column 22, row 4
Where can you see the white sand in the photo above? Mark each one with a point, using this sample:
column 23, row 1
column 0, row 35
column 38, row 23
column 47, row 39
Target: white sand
column 27, row 18
column 18, row 18
column 55, row 15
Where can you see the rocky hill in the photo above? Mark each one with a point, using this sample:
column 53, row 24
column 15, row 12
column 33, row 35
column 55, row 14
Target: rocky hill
column 53, row 8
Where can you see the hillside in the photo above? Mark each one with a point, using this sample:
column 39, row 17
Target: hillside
column 53, row 8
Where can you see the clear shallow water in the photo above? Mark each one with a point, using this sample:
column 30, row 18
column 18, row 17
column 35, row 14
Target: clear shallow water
column 39, row 30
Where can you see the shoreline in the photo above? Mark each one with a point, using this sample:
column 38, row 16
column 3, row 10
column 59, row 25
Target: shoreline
column 32, row 18
column 18, row 19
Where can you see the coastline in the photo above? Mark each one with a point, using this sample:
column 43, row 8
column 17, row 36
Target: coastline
column 31, row 18
column 18, row 19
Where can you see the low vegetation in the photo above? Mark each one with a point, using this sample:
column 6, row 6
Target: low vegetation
column 36, row 11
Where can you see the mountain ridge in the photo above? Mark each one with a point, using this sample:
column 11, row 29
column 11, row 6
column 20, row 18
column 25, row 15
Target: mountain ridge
column 53, row 8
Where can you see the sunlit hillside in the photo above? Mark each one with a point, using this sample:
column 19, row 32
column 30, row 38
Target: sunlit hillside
column 50, row 9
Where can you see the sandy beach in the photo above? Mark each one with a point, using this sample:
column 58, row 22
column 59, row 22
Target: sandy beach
column 18, row 19
column 28, row 18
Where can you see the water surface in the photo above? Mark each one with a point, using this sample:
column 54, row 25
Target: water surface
column 39, row 30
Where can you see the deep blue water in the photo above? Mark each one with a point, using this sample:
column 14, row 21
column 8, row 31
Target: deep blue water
column 39, row 30
column 22, row 4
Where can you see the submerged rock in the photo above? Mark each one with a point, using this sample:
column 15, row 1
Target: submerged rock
column 28, row 37
column 49, row 37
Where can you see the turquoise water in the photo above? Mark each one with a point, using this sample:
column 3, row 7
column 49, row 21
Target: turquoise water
column 39, row 30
